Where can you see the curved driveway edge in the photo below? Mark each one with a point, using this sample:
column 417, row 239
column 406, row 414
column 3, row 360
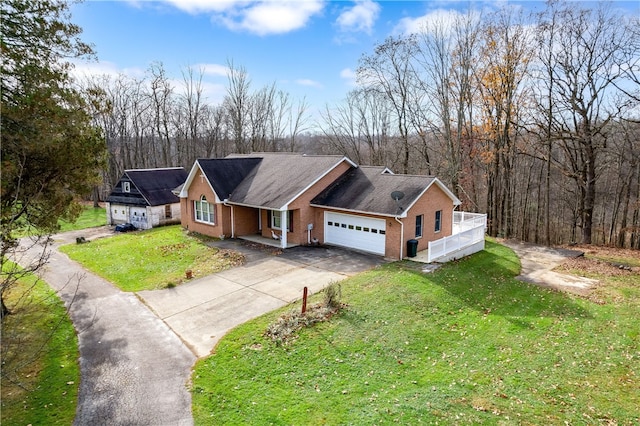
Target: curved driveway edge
column 205, row 309
column 133, row 369
column 538, row 261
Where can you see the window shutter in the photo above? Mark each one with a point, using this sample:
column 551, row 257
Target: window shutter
column 269, row 218
column 290, row 218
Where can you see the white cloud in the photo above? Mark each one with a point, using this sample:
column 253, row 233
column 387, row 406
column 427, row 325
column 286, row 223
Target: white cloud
column 204, row 6
column 212, row 69
column 262, row 17
column 83, row 69
column 349, row 76
column 359, row 18
column 439, row 17
column 308, row 82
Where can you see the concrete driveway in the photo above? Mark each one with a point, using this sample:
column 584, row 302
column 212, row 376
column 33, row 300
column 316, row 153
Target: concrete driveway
column 136, row 358
column 537, row 264
column 202, row 311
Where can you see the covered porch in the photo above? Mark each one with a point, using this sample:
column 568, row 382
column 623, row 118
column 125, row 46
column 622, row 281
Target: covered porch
column 259, row 239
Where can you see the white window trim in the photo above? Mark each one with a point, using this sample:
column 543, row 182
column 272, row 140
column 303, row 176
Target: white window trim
column 437, row 224
column 126, row 187
column 274, row 214
column 211, row 211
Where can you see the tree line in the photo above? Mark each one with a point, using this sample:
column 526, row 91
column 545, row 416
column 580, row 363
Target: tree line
column 533, row 119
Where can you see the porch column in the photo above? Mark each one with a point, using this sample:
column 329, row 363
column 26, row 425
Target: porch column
column 284, row 224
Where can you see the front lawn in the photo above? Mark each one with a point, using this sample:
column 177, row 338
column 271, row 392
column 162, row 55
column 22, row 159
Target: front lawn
column 467, row 344
column 40, row 374
column 152, row 259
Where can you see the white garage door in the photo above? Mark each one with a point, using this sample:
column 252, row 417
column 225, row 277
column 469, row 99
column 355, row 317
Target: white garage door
column 358, row 232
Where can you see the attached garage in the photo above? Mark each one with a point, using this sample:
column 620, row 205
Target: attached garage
column 357, row 232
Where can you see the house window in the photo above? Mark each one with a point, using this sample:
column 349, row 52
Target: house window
column 126, row 186
column 204, row 211
column 274, row 217
column 419, row 222
column 438, row 226
column 167, row 211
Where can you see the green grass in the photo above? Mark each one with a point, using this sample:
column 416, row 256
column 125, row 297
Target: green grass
column 40, row 373
column 90, row 217
column 467, row 344
column 151, row 259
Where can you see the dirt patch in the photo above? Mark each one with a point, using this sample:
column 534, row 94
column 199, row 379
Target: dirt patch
column 577, row 269
column 612, row 253
column 589, row 267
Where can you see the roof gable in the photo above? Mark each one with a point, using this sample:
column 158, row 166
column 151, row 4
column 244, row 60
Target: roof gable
column 222, row 174
column 226, row 174
column 368, row 190
column 280, row 178
column 152, row 187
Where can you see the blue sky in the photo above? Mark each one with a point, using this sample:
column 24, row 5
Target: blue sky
column 309, row 48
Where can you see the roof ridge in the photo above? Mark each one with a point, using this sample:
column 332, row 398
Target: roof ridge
column 154, row 169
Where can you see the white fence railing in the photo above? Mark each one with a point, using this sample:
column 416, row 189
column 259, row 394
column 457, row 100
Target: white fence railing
column 468, row 229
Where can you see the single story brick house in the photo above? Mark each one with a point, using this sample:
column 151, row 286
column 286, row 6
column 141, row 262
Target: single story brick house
column 144, row 197
column 302, row 199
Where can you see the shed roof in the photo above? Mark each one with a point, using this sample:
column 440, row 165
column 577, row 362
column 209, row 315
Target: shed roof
column 154, row 185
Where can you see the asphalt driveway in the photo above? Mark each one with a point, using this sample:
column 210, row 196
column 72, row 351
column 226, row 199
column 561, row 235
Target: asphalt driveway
column 133, row 369
column 203, row 310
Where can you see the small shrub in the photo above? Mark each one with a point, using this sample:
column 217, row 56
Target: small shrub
column 332, row 295
column 283, row 330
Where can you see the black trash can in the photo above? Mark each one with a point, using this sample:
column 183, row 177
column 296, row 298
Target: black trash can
column 412, row 248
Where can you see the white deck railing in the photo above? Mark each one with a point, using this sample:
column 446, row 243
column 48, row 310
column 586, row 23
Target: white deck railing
column 468, row 229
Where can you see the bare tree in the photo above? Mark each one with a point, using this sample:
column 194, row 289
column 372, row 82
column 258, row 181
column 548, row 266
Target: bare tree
column 298, row 123
column 503, row 65
column 390, row 71
column 447, row 54
column 190, row 107
column 590, row 61
column 237, row 104
column 360, row 127
column 161, row 96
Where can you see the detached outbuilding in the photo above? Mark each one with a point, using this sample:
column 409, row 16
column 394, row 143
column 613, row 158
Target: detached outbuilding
column 145, row 197
column 295, row 199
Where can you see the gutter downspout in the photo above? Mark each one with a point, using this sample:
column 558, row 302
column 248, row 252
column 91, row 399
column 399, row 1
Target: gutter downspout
column 233, row 219
column 401, row 236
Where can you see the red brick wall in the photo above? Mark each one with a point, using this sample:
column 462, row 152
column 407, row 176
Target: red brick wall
column 431, row 201
column 303, row 214
column 222, row 226
column 246, row 220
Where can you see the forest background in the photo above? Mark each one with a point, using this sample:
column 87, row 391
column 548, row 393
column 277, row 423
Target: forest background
column 533, row 119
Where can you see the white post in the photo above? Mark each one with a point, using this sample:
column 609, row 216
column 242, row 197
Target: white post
column 284, row 224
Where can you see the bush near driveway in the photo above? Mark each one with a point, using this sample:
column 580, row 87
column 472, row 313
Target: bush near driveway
column 152, row 259
column 467, row 344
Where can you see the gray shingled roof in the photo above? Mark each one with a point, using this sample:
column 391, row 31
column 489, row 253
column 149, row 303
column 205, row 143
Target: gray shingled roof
column 225, row 174
column 279, row 178
column 368, row 189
